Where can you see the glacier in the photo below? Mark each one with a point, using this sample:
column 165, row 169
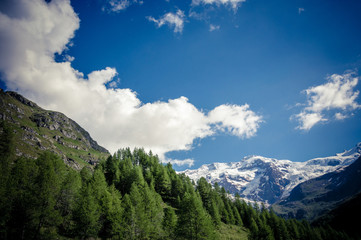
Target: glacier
column 263, row 179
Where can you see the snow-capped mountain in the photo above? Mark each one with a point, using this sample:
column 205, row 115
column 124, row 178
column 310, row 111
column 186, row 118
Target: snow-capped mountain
column 258, row 178
column 315, row 197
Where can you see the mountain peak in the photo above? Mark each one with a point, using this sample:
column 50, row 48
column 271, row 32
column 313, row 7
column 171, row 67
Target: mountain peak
column 258, row 178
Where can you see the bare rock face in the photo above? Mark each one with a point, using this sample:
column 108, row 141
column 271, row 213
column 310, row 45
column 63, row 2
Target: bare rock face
column 38, row 130
column 313, row 198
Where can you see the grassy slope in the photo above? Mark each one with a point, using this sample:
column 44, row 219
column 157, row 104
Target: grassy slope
column 32, row 143
column 232, row 232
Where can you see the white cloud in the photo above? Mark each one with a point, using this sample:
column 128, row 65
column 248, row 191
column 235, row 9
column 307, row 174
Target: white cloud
column 189, row 162
column 116, row 118
column 237, row 120
column 175, row 20
column 233, row 3
column 340, row 116
column 308, row 120
column 300, row 10
column 119, row 5
column 336, row 94
column 213, row 27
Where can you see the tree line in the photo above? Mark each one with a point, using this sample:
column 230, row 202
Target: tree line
column 130, row 195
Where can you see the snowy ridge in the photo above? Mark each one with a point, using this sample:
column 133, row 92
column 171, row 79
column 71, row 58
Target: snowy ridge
column 258, row 178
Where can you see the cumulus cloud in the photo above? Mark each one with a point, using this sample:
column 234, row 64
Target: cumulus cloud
column 32, row 31
column 236, row 120
column 174, row 20
column 233, row 3
column 337, row 94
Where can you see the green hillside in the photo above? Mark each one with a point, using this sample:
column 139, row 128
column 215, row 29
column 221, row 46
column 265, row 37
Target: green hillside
column 36, row 130
column 128, row 195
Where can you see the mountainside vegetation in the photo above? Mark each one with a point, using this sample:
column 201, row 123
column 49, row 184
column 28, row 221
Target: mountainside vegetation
column 37, row 130
column 56, row 182
column 342, row 218
column 130, row 195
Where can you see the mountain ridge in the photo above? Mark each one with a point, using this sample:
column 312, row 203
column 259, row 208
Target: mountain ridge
column 36, row 129
column 315, row 197
column 268, row 180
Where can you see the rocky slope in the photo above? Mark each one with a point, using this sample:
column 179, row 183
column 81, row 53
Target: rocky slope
column 36, row 130
column 258, row 178
column 317, row 196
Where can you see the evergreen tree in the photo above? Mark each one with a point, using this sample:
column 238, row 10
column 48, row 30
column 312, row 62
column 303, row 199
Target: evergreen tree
column 170, row 223
column 85, row 174
column 113, row 213
column 194, row 222
column 6, row 159
column 125, row 175
column 87, row 213
column 214, row 213
column 139, row 221
column 128, row 223
column 66, row 203
column 237, row 216
column 48, row 185
column 112, row 173
column 253, row 229
column 22, row 200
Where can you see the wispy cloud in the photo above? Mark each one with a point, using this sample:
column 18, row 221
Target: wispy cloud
column 300, row 10
column 188, row 162
column 213, row 27
column 337, row 94
column 233, row 3
column 115, row 117
column 174, row 20
column 119, row 5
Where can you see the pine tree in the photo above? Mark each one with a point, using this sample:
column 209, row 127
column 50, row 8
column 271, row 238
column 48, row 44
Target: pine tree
column 87, row 213
column 6, row 152
column 48, row 185
column 22, row 200
column 125, row 176
column 140, row 217
column 253, row 229
column 113, row 213
column 237, row 216
column 128, row 223
column 69, row 194
column 214, row 213
column 169, row 223
column 112, row 173
column 194, row 222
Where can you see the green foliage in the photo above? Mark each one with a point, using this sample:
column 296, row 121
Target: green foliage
column 194, row 222
column 131, row 195
column 232, row 232
column 170, row 222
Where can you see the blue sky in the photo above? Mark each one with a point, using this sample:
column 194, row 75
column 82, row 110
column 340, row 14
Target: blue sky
column 294, row 63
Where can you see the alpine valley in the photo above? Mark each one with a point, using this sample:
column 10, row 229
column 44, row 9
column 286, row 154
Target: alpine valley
column 56, row 182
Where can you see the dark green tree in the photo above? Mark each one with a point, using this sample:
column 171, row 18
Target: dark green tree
column 170, row 223
column 194, row 222
column 87, row 213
